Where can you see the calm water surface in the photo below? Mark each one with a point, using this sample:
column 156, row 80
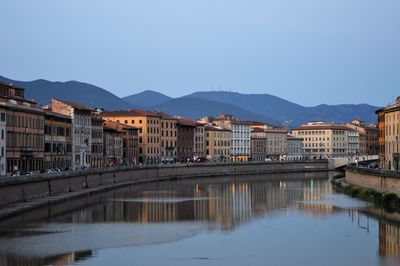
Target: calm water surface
column 289, row 219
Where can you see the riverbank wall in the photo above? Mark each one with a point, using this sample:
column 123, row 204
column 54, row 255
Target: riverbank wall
column 387, row 182
column 35, row 187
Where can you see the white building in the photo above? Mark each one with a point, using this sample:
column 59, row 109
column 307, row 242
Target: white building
column 241, row 137
column 354, row 142
column 3, row 143
column 81, row 130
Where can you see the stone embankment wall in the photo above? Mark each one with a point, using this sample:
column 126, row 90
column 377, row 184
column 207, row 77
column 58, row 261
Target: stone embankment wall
column 381, row 181
column 28, row 188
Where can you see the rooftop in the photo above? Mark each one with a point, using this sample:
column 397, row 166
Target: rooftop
column 76, row 105
column 132, row 112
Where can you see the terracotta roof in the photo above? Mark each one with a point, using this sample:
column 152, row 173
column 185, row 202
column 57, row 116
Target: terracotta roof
column 50, row 113
column 212, row 128
column 293, row 137
column 321, row 127
column 76, row 105
column 132, row 112
column 186, row 122
column 198, row 123
column 22, row 107
column 389, row 108
column 257, row 129
column 11, row 86
column 165, row 115
column 239, row 122
column 97, row 117
column 118, row 126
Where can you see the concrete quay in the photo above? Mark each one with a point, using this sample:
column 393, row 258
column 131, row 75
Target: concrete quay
column 23, row 193
column 375, row 179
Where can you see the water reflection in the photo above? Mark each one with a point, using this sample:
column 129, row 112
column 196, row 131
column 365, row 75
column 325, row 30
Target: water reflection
column 169, row 211
column 389, row 239
column 221, row 205
column 60, row 260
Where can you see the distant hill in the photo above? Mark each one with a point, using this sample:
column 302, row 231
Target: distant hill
column 280, row 109
column 147, row 99
column 261, row 107
column 194, row 108
column 82, row 93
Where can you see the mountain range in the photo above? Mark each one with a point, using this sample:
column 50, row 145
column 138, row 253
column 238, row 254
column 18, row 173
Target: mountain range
column 259, row 107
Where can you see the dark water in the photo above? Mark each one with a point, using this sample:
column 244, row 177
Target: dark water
column 270, row 220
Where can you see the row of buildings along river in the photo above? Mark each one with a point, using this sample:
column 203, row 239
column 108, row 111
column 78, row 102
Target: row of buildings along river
column 67, row 135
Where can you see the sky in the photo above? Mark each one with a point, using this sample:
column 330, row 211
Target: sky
column 306, row 51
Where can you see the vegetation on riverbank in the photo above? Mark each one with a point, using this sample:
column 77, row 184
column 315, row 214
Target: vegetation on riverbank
column 390, row 202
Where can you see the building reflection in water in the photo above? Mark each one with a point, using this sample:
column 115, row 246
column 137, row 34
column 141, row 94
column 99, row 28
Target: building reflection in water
column 389, row 232
column 60, row 260
column 389, row 239
column 223, row 205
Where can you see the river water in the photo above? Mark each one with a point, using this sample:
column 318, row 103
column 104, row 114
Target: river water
column 288, row 219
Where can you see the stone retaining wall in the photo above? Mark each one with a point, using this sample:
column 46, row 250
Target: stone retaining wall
column 381, row 181
column 27, row 188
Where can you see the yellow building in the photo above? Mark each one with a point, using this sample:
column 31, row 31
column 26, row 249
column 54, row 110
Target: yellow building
column 218, row 143
column 169, row 137
column 389, row 125
column 149, row 125
column 322, row 140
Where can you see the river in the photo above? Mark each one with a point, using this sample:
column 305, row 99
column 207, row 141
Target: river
column 285, row 219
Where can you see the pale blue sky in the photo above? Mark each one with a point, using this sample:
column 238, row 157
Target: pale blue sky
column 306, row 51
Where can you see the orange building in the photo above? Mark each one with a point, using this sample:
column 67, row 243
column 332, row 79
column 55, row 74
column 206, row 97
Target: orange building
column 149, row 128
column 389, row 136
column 169, row 137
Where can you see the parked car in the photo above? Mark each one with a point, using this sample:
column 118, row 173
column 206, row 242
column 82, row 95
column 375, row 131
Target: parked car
column 16, row 173
column 373, row 165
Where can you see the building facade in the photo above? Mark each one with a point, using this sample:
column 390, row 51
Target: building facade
column 149, row 128
column 130, row 145
column 258, row 145
column 130, row 141
column 97, row 142
column 22, row 132
column 389, row 136
column 241, row 136
column 294, row 148
column 81, row 131
column 276, row 143
column 57, row 141
column 368, row 137
column 3, row 141
column 113, row 146
column 25, row 138
column 169, row 138
column 185, row 141
column 354, row 142
column 323, row 140
column 218, row 143
column 199, row 149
